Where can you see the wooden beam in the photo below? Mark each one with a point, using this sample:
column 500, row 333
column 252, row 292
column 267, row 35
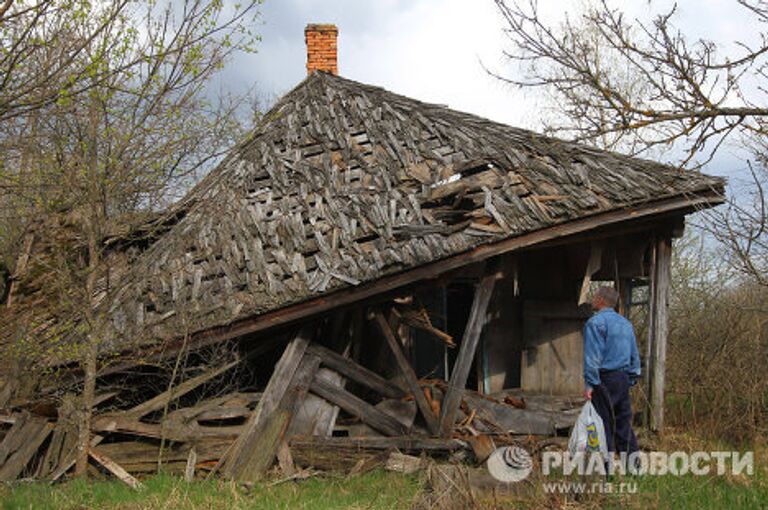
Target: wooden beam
column 648, row 351
column 405, row 368
column 357, row 373
column 467, row 350
column 659, row 329
column 237, row 459
column 403, row 443
column 370, row 415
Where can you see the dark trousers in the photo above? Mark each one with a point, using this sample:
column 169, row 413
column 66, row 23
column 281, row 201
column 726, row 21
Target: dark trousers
column 611, row 399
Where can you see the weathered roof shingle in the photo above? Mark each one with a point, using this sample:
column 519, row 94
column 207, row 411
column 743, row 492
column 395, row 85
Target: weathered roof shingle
column 343, row 183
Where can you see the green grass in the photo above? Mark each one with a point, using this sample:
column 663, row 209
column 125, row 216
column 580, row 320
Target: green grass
column 383, row 490
column 662, row 492
column 375, row 490
column 694, row 492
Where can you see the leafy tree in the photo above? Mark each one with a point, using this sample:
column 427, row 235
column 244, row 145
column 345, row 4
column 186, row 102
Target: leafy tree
column 112, row 112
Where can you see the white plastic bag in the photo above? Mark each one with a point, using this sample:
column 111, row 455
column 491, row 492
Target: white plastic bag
column 588, row 434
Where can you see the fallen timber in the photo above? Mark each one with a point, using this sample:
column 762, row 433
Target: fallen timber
column 243, row 434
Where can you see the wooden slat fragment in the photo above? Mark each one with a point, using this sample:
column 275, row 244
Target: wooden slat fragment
column 69, row 459
column 114, row 468
column 189, row 470
column 14, row 437
column 285, row 459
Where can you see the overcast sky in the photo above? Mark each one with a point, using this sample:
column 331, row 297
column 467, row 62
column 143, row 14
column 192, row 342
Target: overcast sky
column 433, row 50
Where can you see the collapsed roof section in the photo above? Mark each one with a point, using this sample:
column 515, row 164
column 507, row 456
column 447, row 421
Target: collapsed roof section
column 342, row 184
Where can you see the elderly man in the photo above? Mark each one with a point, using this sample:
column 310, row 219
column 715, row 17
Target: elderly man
column 611, row 366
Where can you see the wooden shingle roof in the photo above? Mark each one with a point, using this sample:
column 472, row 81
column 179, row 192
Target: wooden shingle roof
column 343, row 183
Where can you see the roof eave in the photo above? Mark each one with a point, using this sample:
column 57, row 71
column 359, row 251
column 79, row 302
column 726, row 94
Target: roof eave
column 345, row 296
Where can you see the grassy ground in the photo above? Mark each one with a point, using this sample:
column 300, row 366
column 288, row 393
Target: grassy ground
column 375, row 490
column 383, row 490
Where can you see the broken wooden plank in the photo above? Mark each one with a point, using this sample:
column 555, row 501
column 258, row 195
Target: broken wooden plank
column 14, row 437
column 357, row 373
column 159, row 402
column 403, row 463
column 35, row 432
column 593, row 266
column 71, row 458
column 272, row 432
column 357, row 407
column 189, row 469
column 407, row 371
column 171, row 428
column 63, row 438
column 508, row 419
column 114, row 468
column 469, row 342
column 141, row 456
column 235, row 461
column 419, row 319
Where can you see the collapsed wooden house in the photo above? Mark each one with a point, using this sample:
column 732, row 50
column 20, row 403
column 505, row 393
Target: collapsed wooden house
column 366, row 272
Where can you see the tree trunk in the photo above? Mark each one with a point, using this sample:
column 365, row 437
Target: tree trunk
column 93, row 223
column 89, row 363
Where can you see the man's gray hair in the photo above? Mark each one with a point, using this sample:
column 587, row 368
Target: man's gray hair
column 609, row 295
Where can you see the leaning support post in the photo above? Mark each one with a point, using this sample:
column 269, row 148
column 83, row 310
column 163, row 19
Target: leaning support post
column 658, row 329
column 466, row 353
column 407, row 371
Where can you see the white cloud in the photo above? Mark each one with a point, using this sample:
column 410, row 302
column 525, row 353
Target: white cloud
column 431, row 49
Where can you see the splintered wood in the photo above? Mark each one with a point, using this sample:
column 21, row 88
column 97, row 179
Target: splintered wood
column 278, row 425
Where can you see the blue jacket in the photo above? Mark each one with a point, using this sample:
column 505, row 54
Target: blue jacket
column 609, row 344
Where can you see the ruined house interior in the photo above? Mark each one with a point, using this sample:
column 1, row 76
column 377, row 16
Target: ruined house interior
column 365, row 273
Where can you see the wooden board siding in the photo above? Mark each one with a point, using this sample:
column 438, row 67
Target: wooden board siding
column 553, row 355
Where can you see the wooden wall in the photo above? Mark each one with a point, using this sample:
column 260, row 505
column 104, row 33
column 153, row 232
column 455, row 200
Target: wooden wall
column 533, row 337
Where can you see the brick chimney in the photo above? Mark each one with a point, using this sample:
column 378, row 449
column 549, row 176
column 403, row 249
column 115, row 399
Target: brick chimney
column 321, row 48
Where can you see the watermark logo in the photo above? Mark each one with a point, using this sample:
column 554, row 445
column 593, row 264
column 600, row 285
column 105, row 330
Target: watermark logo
column 513, row 463
column 510, row 464
column 649, row 463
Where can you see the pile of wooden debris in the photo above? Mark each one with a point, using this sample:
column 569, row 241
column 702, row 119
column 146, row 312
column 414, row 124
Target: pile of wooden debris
column 320, row 408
